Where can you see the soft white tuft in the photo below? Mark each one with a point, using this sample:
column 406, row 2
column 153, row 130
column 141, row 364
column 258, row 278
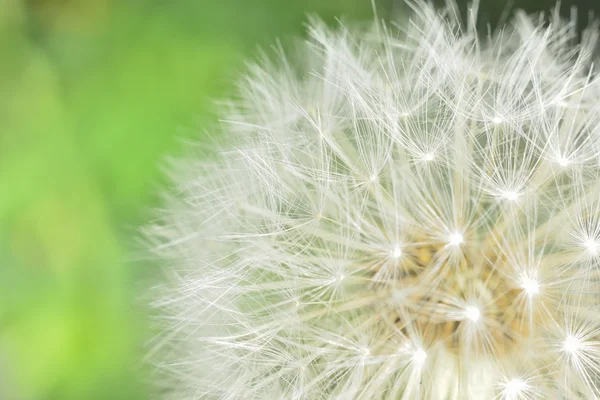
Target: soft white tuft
column 408, row 213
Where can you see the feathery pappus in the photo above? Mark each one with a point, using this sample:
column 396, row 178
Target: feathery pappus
column 406, row 211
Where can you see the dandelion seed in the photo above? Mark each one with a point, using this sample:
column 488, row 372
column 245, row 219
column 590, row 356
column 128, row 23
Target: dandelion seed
column 456, row 239
column 563, row 161
column 497, row 119
column 530, row 285
column 510, row 195
column 472, row 313
column 419, row 356
column 396, row 252
column 571, row 345
column 514, row 389
column 559, row 102
column 428, row 156
column 592, row 246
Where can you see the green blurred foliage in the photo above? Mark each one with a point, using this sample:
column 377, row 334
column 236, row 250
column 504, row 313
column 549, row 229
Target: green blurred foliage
column 93, row 95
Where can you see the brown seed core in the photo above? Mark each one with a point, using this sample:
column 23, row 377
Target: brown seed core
column 460, row 301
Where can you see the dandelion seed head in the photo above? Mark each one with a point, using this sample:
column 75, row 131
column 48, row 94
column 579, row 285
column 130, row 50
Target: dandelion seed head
column 362, row 231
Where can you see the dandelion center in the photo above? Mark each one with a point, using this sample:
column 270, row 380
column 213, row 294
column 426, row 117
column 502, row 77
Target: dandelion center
column 402, row 214
column 443, row 304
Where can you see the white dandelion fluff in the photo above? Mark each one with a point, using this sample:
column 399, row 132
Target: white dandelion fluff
column 401, row 213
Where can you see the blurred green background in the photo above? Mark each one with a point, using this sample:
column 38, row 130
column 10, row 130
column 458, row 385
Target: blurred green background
column 93, row 95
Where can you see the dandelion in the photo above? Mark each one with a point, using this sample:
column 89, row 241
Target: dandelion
column 401, row 213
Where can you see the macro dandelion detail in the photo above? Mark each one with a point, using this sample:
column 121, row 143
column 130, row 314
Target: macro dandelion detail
column 400, row 212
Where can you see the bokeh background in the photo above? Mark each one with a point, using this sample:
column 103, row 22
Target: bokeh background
column 94, row 94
